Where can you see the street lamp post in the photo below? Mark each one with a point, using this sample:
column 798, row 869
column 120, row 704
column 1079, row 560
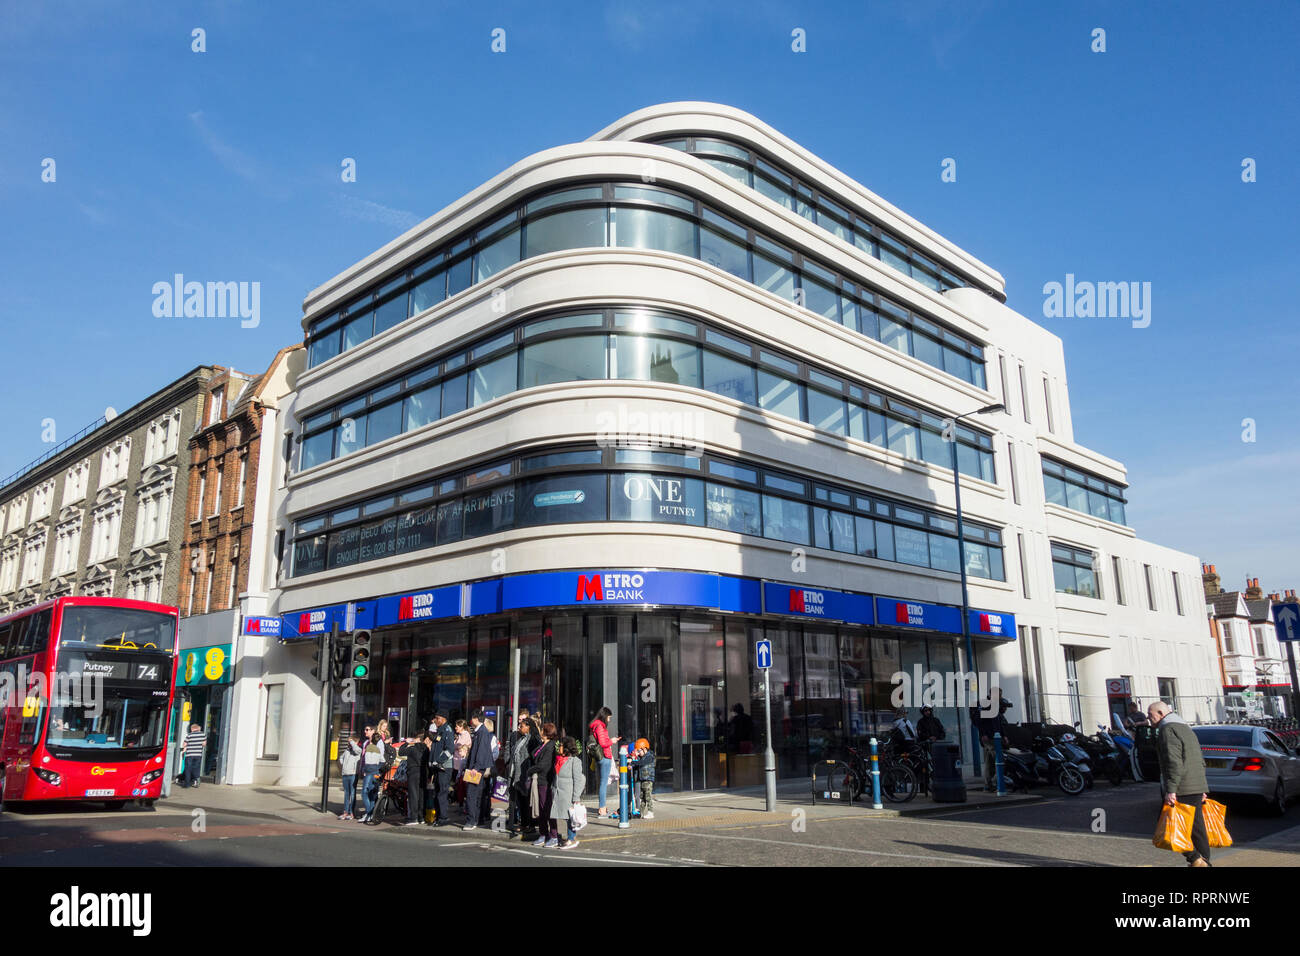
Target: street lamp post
column 976, row 750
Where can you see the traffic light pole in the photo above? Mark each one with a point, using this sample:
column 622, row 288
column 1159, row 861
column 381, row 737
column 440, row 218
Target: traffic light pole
column 327, row 671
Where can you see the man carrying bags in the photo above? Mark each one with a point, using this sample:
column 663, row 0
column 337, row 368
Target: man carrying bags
column 1182, row 774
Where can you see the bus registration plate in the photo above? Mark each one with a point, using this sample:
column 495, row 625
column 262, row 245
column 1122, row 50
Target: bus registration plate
column 99, row 793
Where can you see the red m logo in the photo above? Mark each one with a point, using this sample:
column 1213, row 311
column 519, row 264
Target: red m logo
column 590, row 588
column 404, row 609
column 304, row 623
column 900, row 613
column 797, row 602
column 984, row 623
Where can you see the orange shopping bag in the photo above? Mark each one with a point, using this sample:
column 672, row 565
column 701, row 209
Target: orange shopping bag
column 1215, row 823
column 1174, row 831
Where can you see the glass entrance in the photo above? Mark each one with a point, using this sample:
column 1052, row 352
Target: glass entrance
column 654, row 700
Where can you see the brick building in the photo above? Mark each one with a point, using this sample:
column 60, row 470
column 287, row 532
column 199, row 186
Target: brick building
column 96, row 514
column 1252, row 665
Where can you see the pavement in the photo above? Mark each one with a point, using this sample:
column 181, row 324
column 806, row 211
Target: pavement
column 672, row 811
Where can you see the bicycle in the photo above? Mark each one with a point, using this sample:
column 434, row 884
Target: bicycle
column 897, row 780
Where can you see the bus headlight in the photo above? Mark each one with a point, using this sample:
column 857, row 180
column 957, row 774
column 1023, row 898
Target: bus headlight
column 150, row 777
column 49, row 776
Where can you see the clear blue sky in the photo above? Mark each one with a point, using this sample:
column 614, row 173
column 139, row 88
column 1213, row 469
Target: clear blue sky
column 1123, row 165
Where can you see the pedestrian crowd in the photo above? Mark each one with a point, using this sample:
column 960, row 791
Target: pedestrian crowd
column 539, row 773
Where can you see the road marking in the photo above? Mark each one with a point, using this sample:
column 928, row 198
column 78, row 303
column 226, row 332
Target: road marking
column 840, row 849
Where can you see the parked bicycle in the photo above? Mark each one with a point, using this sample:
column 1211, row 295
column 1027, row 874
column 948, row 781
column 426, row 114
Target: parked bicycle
column 898, row 782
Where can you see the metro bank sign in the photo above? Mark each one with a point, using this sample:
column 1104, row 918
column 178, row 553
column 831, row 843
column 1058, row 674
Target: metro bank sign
column 611, row 586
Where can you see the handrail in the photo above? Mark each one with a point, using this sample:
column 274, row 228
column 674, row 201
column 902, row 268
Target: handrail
column 66, row 443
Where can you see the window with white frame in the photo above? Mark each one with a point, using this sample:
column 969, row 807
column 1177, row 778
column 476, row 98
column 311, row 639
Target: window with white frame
column 243, row 475
column 42, row 499
column 153, row 513
column 105, row 525
column 215, row 405
column 1178, row 593
column 67, row 542
column 272, row 721
column 1228, row 646
column 145, row 584
column 9, row 569
column 75, row 482
column 216, row 495
column 163, row 437
column 1261, row 649
column 33, row 559
column 113, row 464
column 17, row 513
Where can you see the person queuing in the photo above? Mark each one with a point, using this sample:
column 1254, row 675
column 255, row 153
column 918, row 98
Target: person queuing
column 929, row 728
column 349, row 762
column 417, row 769
column 477, row 764
column 541, row 777
column 442, row 755
column 375, row 762
column 518, row 751
column 458, row 761
column 601, row 746
column 642, row 762
column 570, row 781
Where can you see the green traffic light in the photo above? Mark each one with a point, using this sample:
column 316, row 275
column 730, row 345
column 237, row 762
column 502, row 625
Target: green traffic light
column 360, row 670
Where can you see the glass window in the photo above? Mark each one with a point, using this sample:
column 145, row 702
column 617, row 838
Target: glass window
column 582, row 193
column 559, row 458
column 894, row 335
column 894, row 256
column 412, row 495
column 358, row 330
column 928, row 350
column 826, row 411
column 450, row 520
column 863, row 240
column 647, row 358
column 785, row 520
column 778, row 193
column 324, row 347
column 415, row 529
column 821, row 299
column 785, row 484
column 773, row 277
column 868, row 321
column 459, row 276
column 735, row 472
column 717, row 146
column 653, row 322
column 429, row 292
column 377, row 539
column 903, row 438
column 454, row 392
column 343, row 547
column 575, row 359
column 637, row 496
column 943, row 553
column 637, row 228
column 1086, row 582
column 934, row 449
column 1117, row 511
column 384, row 422
column 1099, row 505
column 1076, row 498
column 728, row 343
column 734, row 170
column 857, row 422
column 390, row 313
column 912, row 546
column 563, row 322
column 956, row 363
column 1054, row 488
column 724, row 253
column 648, row 194
column 574, row 229
column 842, row 537
column 309, row 555
column 495, row 378
column 487, row 512
column 725, row 376
column 352, row 435
column 866, row 535
column 317, row 449
column 776, row 393
column 496, row 256
column 646, row 456
column 848, row 312
column 821, row 528
column 562, row 499
column 422, row 406
column 884, row 541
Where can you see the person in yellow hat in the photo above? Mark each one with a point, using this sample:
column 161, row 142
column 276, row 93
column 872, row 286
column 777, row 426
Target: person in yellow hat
column 642, row 762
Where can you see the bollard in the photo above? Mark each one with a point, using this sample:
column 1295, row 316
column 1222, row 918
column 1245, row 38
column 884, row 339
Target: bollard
column 623, row 815
column 875, row 776
column 997, row 763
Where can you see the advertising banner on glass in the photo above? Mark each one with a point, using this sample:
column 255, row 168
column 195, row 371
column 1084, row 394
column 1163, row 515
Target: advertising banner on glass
column 697, row 714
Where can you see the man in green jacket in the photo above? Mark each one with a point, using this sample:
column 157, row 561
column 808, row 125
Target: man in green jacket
column 1182, row 774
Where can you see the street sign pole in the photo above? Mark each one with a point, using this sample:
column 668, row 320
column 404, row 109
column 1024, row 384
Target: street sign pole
column 329, row 642
column 763, row 658
column 1295, row 684
column 1286, row 621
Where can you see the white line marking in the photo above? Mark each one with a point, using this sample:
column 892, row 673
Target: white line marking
column 840, row 849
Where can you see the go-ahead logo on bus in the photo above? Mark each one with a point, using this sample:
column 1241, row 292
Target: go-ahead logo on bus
column 98, row 771
column 609, row 586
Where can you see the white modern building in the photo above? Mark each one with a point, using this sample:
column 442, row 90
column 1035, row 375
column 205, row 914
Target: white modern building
column 588, row 434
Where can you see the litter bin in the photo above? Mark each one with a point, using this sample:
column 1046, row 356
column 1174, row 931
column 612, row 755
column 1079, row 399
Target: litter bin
column 947, row 786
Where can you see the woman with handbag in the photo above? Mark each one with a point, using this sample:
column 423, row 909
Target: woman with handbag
column 570, row 780
column 541, row 775
column 518, row 750
column 601, row 747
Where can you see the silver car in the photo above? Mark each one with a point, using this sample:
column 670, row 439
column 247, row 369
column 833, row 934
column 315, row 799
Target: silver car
column 1249, row 761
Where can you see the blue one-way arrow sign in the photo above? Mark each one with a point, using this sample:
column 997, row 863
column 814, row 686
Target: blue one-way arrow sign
column 763, row 654
column 1286, row 621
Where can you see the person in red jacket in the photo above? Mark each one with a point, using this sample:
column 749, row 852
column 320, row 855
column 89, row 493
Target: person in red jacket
column 601, row 748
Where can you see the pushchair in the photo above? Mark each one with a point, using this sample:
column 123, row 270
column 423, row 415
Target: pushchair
column 392, row 797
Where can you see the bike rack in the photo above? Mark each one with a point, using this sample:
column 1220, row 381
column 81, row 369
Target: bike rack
column 836, row 773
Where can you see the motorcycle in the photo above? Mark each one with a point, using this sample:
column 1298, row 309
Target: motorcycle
column 1069, row 746
column 1044, row 764
column 1128, row 752
column 1105, row 756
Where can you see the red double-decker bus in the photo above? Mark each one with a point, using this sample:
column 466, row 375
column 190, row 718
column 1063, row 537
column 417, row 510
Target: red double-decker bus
column 86, row 687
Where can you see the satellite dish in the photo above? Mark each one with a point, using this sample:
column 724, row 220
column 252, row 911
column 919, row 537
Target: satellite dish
column 110, row 413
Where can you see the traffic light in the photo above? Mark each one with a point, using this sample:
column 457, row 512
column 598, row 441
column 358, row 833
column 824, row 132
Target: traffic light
column 359, row 666
column 339, row 662
column 321, row 658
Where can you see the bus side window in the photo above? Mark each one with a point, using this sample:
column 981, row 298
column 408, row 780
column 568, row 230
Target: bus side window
column 19, row 645
column 4, row 641
column 38, row 632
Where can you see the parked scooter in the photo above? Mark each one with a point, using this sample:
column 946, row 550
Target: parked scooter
column 1106, row 758
column 1068, row 744
column 1128, row 752
column 1045, row 764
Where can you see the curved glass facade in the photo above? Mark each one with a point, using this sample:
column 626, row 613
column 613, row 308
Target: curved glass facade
column 578, row 485
column 617, row 215
column 639, row 345
column 753, row 169
column 1080, row 491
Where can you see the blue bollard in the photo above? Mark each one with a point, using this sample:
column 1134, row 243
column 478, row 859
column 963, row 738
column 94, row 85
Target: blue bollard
column 624, row 820
column 875, row 776
column 997, row 753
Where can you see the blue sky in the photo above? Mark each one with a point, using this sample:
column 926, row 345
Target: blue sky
column 1123, row 165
